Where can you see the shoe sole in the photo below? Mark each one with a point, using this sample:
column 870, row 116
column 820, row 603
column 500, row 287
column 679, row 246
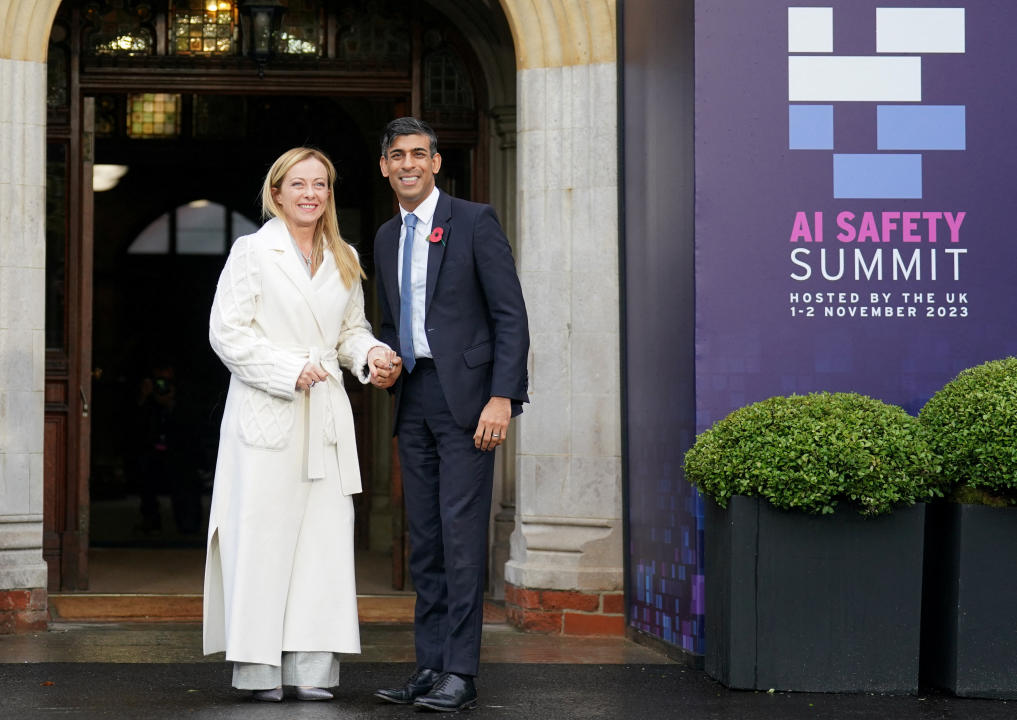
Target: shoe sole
column 468, row 705
column 392, row 700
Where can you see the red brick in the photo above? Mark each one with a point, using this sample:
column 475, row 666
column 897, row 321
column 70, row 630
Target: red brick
column 536, row 621
column 6, row 623
column 510, row 594
column 614, row 603
column 30, row 621
column 38, row 600
column 568, row 600
column 528, row 599
column 15, row 599
column 594, row 624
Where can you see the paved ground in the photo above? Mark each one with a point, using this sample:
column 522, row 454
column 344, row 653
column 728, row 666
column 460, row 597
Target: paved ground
column 159, row 673
column 534, row 692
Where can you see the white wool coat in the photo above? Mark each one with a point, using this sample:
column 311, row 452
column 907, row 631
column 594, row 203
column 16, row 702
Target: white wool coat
column 279, row 568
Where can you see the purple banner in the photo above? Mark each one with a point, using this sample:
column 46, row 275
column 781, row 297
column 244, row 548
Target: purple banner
column 855, row 168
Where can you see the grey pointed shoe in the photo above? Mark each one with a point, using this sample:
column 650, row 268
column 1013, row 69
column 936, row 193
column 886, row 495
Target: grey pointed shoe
column 273, row 695
column 313, row 693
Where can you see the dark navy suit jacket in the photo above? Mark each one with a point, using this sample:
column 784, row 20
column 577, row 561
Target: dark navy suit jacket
column 475, row 317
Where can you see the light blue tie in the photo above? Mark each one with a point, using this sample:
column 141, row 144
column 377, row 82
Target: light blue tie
column 406, row 297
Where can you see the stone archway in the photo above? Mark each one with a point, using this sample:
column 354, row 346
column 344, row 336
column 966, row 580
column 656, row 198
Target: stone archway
column 568, row 530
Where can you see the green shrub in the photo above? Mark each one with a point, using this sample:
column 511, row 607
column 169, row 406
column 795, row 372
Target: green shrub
column 811, row 452
column 972, row 424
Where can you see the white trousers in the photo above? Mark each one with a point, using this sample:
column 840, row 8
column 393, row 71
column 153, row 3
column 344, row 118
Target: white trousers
column 305, row 669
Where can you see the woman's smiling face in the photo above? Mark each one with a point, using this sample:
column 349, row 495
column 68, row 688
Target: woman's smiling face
column 303, row 193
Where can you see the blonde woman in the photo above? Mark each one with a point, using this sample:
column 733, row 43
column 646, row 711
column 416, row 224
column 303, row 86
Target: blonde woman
column 280, row 597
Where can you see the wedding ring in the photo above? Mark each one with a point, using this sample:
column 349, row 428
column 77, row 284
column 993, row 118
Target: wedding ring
column 495, row 435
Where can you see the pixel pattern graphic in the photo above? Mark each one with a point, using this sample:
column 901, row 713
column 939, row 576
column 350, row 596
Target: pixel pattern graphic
column 893, row 75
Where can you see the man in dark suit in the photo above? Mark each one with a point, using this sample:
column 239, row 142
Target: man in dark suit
column 460, row 328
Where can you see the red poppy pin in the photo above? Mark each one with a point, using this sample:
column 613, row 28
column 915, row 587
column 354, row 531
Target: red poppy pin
column 437, row 235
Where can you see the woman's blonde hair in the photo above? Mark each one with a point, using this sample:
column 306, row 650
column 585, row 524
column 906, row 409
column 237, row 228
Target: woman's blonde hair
column 327, row 230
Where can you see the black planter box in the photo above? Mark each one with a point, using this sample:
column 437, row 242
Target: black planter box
column 813, row 603
column 969, row 621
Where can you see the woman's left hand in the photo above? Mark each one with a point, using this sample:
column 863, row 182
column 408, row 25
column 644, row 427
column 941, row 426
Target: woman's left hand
column 385, row 366
column 311, row 375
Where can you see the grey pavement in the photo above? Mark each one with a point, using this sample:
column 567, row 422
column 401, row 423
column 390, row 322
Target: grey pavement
column 159, row 673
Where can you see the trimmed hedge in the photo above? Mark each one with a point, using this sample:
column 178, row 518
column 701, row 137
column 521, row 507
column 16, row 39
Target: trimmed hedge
column 811, row 452
column 972, row 424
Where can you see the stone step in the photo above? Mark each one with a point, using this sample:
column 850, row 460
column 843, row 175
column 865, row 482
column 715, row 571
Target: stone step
column 96, row 607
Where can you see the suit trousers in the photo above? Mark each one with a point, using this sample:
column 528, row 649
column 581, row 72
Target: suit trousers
column 447, row 487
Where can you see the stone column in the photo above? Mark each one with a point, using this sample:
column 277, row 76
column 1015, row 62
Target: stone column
column 22, row 343
column 503, row 197
column 566, row 568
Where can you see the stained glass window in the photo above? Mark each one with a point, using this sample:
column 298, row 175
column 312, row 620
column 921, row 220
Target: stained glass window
column 120, row 28
column 302, row 29
column 202, row 27
column 153, row 115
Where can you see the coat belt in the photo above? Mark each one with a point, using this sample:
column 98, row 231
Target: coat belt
column 319, row 395
column 323, row 394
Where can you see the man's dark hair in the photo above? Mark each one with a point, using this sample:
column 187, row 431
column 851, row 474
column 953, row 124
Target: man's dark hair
column 407, row 126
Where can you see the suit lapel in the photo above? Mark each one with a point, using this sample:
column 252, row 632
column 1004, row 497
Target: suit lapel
column 436, row 252
column 388, row 258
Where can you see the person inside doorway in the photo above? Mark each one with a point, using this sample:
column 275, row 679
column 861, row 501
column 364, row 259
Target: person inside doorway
column 280, row 595
column 165, row 452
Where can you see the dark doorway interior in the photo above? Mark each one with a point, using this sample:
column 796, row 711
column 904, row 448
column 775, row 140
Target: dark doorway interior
column 161, row 237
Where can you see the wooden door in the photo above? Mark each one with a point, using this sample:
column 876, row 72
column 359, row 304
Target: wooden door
column 68, row 349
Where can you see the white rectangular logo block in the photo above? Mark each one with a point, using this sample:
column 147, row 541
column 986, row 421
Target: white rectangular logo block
column 810, row 29
column 854, row 78
column 920, row 30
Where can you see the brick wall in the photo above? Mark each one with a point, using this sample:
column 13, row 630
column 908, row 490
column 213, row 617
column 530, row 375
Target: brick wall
column 565, row 612
column 22, row 610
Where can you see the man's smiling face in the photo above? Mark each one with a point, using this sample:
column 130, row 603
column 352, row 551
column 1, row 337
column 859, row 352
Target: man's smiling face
column 410, row 169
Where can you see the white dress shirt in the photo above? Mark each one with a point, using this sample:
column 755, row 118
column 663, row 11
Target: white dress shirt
column 421, row 246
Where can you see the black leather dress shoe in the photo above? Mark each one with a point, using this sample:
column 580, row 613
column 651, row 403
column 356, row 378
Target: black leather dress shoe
column 450, row 694
column 420, row 683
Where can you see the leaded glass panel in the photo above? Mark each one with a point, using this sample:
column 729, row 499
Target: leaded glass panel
column 302, row 31
column 57, row 80
column 202, row 27
column 119, row 28
column 219, row 116
column 373, row 36
column 56, row 245
column 446, row 82
column 106, row 116
column 153, row 115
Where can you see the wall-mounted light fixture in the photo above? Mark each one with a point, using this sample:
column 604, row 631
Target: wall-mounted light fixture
column 106, row 177
column 262, row 20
